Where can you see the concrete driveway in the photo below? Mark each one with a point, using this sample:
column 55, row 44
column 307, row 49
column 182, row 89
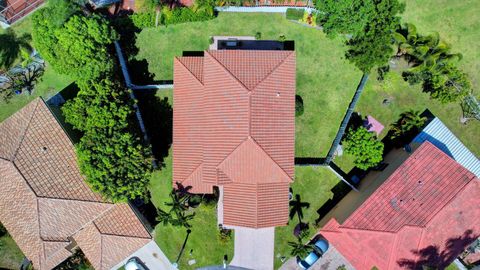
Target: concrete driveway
column 331, row 260
column 254, row 248
column 151, row 256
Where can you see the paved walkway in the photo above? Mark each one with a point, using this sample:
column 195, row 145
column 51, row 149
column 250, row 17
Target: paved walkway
column 151, row 256
column 254, row 248
column 330, row 261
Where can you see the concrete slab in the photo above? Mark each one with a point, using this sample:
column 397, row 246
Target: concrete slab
column 254, row 248
column 152, row 256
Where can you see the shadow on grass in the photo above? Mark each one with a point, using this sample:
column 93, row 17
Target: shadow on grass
column 339, row 191
column 158, row 116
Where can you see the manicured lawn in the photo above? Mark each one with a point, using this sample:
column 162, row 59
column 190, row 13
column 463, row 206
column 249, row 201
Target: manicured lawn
column 325, row 81
column 314, row 185
column 10, row 255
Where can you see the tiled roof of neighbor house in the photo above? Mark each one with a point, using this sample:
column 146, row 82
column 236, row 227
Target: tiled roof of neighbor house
column 234, row 125
column 44, row 201
column 439, row 135
column 426, row 213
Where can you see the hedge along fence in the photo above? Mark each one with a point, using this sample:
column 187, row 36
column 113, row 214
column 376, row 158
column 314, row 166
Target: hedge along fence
column 294, row 14
column 171, row 16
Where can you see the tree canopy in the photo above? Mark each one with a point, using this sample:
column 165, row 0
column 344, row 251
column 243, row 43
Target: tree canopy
column 364, row 147
column 110, row 154
column 372, row 47
column 78, row 48
column 344, row 16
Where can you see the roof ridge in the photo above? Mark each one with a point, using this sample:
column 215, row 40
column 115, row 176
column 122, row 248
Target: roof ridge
column 77, row 200
column 25, row 131
column 121, row 235
column 234, row 149
column 273, row 70
column 278, row 165
column 228, row 71
column 178, row 58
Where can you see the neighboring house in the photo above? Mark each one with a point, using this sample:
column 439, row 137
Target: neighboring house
column 45, row 204
column 13, row 10
column 425, row 213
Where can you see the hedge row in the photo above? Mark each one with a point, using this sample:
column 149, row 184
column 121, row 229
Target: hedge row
column 295, row 14
column 169, row 16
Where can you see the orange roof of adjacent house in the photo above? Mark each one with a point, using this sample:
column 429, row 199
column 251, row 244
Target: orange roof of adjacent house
column 234, row 126
column 425, row 214
column 45, row 203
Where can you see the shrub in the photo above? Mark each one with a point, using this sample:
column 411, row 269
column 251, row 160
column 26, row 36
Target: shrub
column 184, row 14
column 364, row 147
column 295, row 14
column 143, row 19
column 258, row 35
column 3, row 231
column 224, row 235
column 298, row 105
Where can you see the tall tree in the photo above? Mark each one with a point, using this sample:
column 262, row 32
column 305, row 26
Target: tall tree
column 344, row 16
column 364, row 147
column 373, row 46
column 299, row 248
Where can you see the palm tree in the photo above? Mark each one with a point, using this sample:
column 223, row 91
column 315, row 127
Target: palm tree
column 183, row 219
column 299, row 248
column 296, row 208
column 177, row 204
column 11, row 46
column 408, row 123
column 164, row 217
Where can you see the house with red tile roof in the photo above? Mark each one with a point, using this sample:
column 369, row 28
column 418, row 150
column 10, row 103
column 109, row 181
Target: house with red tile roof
column 45, row 204
column 425, row 213
column 234, row 128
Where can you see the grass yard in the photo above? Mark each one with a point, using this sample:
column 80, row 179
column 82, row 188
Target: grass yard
column 325, row 80
column 314, row 184
column 11, row 256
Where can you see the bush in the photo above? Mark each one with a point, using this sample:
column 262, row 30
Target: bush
column 3, row 231
column 184, row 14
column 143, row 19
column 224, row 235
column 298, row 105
column 294, row 14
column 364, row 147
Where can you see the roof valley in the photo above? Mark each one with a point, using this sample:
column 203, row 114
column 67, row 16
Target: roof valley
column 24, row 133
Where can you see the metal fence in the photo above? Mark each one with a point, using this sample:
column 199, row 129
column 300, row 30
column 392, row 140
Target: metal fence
column 14, row 11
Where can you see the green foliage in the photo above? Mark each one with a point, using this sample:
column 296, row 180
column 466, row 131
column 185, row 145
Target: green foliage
column 11, row 47
column 79, row 48
column 61, row 10
column 3, row 231
column 224, row 235
column 364, row 147
column 344, row 16
column 185, row 14
column 300, row 249
column 407, row 125
column 258, row 35
column 448, row 84
column 470, row 108
column 176, row 216
column 110, row 155
column 373, row 46
column 282, row 38
column 294, row 14
column 143, row 19
column 342, row 267
column 77, row 261
column 298, row 106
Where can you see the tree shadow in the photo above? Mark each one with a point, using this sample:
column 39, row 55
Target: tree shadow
column 432, row 256
column 158, row 118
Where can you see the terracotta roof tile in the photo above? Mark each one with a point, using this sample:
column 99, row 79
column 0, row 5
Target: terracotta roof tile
column 436, row 208
column 237, row 130
column 193, row 65
column 121, row 220
column 44, row 187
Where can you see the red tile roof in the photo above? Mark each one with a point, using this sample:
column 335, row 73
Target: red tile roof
column 234, row 125
column 425, row 213
column 44, row 201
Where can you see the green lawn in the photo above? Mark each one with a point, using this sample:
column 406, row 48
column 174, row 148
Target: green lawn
column 10, row 255
column 314, row 185
column 325, row 80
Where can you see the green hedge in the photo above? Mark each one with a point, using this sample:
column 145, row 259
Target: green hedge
column 143, row 19
column 184, row 14
column 295, row 14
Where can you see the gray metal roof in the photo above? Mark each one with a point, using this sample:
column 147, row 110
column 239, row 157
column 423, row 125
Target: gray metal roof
column 440, row 136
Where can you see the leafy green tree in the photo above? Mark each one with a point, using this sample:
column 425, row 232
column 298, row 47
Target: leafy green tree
column 110, row 153
column 364, row 147
column 373, row 46
column 299, row 248
column 164, row 217
column 12, row 46
column 79, row 48
column 344, row 16
column 447, row 83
